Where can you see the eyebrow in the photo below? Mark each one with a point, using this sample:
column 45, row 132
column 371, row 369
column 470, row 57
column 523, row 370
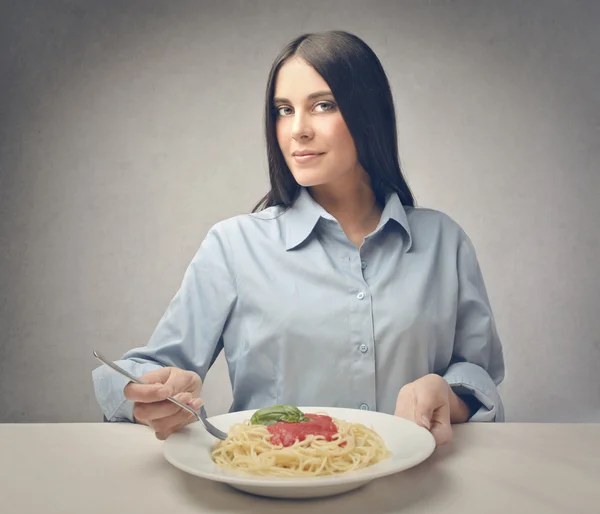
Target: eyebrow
column 312, row 96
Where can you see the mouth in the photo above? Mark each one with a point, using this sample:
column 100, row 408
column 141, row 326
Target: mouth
column 306, row 156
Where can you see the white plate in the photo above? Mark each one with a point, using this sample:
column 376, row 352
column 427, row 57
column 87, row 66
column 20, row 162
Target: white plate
column 190, row 450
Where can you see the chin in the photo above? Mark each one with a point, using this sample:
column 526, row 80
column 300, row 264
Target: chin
column 310, row 178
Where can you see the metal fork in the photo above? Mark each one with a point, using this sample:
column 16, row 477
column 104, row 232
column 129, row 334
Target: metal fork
column 210, row 428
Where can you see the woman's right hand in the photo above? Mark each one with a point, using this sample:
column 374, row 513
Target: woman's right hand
column 151, row 407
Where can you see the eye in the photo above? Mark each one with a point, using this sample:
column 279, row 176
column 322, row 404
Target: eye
column 283, row 110
column 325, row 106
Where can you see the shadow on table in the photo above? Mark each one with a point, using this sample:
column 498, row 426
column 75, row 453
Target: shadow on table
column 423, row 484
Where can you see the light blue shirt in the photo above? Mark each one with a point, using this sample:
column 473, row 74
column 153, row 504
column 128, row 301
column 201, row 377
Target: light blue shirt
column 306, row 318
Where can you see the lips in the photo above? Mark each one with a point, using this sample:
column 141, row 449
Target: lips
column 306, row 157
column 304, row 153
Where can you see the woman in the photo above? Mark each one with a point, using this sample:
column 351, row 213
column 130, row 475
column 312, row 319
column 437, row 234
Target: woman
column 336, row 290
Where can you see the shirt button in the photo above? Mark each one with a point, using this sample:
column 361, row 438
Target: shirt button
column 363, row 264
column 363, row 348
column 360, row 295
column 364, row 406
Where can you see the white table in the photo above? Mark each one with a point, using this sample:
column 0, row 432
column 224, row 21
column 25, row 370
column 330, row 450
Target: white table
column 489, row 468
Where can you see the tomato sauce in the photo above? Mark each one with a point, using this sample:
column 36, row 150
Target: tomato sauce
column 286, row 434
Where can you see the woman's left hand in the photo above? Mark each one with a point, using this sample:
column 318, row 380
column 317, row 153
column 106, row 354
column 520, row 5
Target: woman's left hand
column 428, row 402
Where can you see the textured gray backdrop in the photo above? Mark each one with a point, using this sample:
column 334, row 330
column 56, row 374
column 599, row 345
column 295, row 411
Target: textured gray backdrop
column 128, row 128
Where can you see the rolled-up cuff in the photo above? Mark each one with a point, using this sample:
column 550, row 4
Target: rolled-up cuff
column 468, row 378
column 109, row 386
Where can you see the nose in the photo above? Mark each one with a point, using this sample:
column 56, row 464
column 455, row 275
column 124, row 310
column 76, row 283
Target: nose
column 301, row 127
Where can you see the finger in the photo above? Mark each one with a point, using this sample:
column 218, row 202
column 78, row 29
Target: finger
column 441, row 428
column 414, row 408
column 152, row 390
column 166, row 426
column 423, row 420
column 405, row 403
column 147, row 412
column 180, row 380
column 164, row 434
column 442, row 433
column 150, row 393
column 425, row 406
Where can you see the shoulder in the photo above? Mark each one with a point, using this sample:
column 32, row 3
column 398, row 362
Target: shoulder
column 249, row 229
column 430, row 225
column 268, row 217
column 424, row 217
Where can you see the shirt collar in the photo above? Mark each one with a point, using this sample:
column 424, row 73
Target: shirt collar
column 304, row 214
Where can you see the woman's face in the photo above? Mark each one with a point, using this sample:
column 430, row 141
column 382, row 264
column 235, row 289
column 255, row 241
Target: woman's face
column 313, row 136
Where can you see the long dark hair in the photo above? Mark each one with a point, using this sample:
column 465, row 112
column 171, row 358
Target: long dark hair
column 362, row 93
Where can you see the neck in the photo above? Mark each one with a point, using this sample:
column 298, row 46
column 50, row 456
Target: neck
column 354, row 207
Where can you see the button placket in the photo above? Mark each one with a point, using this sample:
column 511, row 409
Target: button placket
column 362, row 334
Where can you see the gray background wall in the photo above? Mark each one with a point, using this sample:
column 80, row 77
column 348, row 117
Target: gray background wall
column 128, row 128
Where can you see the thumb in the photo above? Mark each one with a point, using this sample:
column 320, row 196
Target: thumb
column 424, row 413
column 157, row 376
column 442, row 425
column 151, row 389
column 180, row 381
column 436, row 419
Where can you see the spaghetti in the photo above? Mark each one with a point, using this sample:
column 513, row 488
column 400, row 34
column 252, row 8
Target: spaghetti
column 309, row 445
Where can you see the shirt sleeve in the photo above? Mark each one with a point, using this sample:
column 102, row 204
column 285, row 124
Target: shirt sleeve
column 477, row 365
column 188, row 336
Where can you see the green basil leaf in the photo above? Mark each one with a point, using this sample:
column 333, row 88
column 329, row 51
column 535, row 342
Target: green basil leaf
column 270, row 415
